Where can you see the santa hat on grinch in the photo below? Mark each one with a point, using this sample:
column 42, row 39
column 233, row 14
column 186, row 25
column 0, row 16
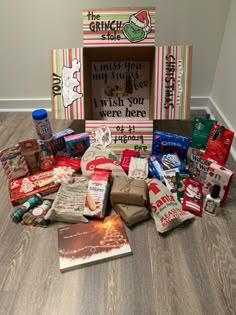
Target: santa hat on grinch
column 142, row 19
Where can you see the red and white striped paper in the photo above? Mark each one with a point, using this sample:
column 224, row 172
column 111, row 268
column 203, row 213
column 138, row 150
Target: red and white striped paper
column 63, row 58
column 126, row 134
column 173, row 82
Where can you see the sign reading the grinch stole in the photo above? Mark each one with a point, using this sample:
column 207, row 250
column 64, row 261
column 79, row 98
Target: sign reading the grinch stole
column 119, row 26
column 120, row 90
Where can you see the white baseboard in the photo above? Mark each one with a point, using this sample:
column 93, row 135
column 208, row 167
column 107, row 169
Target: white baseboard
column 197, row 103
column 24, row 104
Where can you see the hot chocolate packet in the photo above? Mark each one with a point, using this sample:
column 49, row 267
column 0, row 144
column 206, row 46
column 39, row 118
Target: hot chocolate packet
column 138, row 168
column 14, row 163
column 166, row 209
column 193, row 197
column 200, row 131
column 219, row 144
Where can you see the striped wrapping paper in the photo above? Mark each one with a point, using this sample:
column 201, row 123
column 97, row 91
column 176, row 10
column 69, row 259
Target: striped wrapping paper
column 126, row 134
column 94, row 28
column 173, row 82
column 64, row 82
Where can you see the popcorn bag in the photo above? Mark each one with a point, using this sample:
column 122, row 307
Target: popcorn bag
column 166, row 210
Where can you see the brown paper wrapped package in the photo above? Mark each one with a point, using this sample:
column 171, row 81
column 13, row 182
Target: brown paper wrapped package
column 132, row 214
column 129, row 191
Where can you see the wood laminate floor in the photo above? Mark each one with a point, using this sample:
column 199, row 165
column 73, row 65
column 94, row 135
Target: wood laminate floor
column 191, row 270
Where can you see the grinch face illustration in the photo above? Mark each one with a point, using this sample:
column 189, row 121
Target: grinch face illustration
column 138, row 27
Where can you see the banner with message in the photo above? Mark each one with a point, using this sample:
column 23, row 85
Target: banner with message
column 119, row 26
column 173, row 82
column 120, row 90
column 131, row 135
column 67, row 83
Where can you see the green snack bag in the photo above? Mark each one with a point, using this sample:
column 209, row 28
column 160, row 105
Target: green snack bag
column 180, row 180
column 200, row 131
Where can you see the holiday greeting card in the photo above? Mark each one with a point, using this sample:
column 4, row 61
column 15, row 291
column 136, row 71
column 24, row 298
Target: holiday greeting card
column 86, row 243
column 120, row 90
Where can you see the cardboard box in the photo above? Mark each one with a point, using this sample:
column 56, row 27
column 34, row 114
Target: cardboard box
column 23, row 188
column 97, row 195
column 218, row 175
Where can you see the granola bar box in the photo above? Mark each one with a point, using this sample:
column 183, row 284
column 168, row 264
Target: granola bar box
column 23, row 188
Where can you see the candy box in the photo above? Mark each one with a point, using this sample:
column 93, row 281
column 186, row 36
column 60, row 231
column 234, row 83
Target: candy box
column 77, row 144
column 202, row 169
column 58, row 141
column 97, row 195
column 220, row 175
column 194, row 155
column 41, row 183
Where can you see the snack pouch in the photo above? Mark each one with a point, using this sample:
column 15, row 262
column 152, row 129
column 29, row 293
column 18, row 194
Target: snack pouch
column 126, row 157
column 138, row 168
column 14, row 163
column 167, row 143
column 165, row 208
column 219, row 144
column 201, row 129
column 193, row 197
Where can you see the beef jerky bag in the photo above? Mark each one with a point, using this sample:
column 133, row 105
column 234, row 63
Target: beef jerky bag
column 165, row 208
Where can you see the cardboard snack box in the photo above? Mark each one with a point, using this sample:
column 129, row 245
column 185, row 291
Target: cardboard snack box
column 23, row 188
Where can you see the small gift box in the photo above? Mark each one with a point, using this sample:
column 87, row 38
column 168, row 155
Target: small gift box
column 129, row 191
column 131, row 214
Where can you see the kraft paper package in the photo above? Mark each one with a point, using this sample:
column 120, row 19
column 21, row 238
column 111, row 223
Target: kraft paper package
column 131, row 214
column 165, row 208
column 128, row 191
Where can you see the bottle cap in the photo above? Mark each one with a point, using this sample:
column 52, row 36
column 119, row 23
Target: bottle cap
column 215, row 191
column 39, row 114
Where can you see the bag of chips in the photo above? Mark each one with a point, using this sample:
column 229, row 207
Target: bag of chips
column 165, row 208
column 219, row 144
column 14, row 163
column 200, row 131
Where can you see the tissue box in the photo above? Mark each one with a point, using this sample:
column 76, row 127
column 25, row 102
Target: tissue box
column 220, row 175
column 128, row 191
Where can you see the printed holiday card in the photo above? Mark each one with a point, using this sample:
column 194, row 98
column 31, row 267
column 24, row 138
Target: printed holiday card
column 120, row 90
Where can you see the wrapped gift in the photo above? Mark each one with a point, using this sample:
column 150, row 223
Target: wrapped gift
column 131, row 214
column 218, row 175
column 129, row 191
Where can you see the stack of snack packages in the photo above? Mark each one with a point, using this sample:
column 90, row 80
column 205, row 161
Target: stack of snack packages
column 180, row 179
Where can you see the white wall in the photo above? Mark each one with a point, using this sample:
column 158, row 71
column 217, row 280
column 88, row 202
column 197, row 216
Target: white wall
column 223, row 91
column 29, row 29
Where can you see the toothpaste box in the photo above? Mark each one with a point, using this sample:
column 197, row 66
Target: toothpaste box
column 97, row 194
column 220, row 175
